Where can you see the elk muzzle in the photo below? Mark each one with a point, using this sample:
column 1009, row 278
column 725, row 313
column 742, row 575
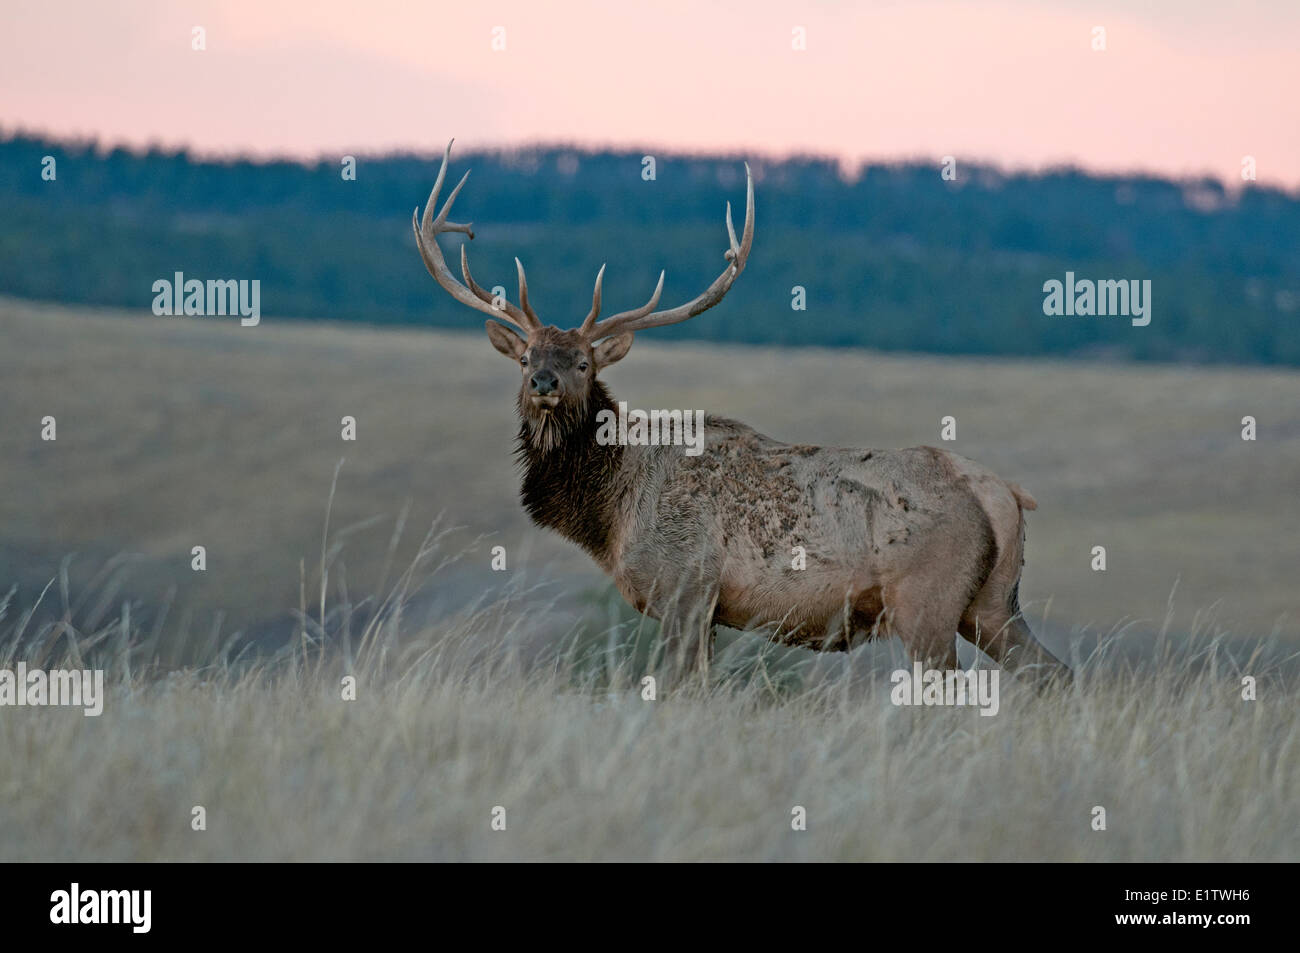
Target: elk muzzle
column 544, row 387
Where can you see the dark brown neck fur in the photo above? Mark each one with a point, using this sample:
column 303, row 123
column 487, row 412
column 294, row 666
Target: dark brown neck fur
column 570, row 485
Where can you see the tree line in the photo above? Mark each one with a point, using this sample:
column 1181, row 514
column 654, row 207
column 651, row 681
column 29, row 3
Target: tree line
column 893, row 257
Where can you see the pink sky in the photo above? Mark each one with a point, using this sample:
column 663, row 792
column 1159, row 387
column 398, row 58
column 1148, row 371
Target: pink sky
column 1183, row 87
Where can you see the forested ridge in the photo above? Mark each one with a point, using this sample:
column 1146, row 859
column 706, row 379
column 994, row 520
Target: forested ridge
column 893, row 257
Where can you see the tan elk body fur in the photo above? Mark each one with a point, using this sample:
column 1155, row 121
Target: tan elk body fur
column 920, row 543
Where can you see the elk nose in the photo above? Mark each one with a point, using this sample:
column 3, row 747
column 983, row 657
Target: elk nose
column 544, row 382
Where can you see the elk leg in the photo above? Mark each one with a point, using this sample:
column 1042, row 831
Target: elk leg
column 1007, row 639
column 686, row 636
column 934, row 645
column 926, row 625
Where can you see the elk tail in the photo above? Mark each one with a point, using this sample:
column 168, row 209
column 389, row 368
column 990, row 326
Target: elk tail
column 1023, row 496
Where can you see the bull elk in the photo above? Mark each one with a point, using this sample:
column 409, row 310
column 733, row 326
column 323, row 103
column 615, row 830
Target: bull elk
column 920, row 543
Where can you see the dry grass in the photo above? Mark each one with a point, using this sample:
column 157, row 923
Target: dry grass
column 177, row 432
column 173, row 433
column 452, row 721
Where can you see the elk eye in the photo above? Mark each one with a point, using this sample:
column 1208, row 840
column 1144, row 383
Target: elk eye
column 523, row 361
column 582, row 366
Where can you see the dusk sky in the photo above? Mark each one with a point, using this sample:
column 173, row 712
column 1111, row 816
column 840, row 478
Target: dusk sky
column 1183, row 87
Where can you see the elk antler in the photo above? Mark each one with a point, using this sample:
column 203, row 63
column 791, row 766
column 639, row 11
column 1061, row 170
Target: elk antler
column 641, row 318
column 427, row 231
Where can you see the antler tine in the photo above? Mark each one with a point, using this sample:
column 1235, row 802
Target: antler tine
column 646, row 308
column 484, row 295
column 749, row 227
column 737, row 255
column 523, row 292
column 434, row 223
column 426, row 222
column 590, row 320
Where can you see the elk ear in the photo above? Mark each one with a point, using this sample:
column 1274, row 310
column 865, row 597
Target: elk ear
column 505, row 340
column 612, row 350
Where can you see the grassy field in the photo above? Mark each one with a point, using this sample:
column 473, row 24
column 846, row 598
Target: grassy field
column 452, row 723
column 181, row 432
column 519, row 689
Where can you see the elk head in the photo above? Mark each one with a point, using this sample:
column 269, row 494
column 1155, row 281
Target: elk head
column 558, row 367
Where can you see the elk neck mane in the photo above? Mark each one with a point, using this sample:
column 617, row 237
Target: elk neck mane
column 570, row 481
